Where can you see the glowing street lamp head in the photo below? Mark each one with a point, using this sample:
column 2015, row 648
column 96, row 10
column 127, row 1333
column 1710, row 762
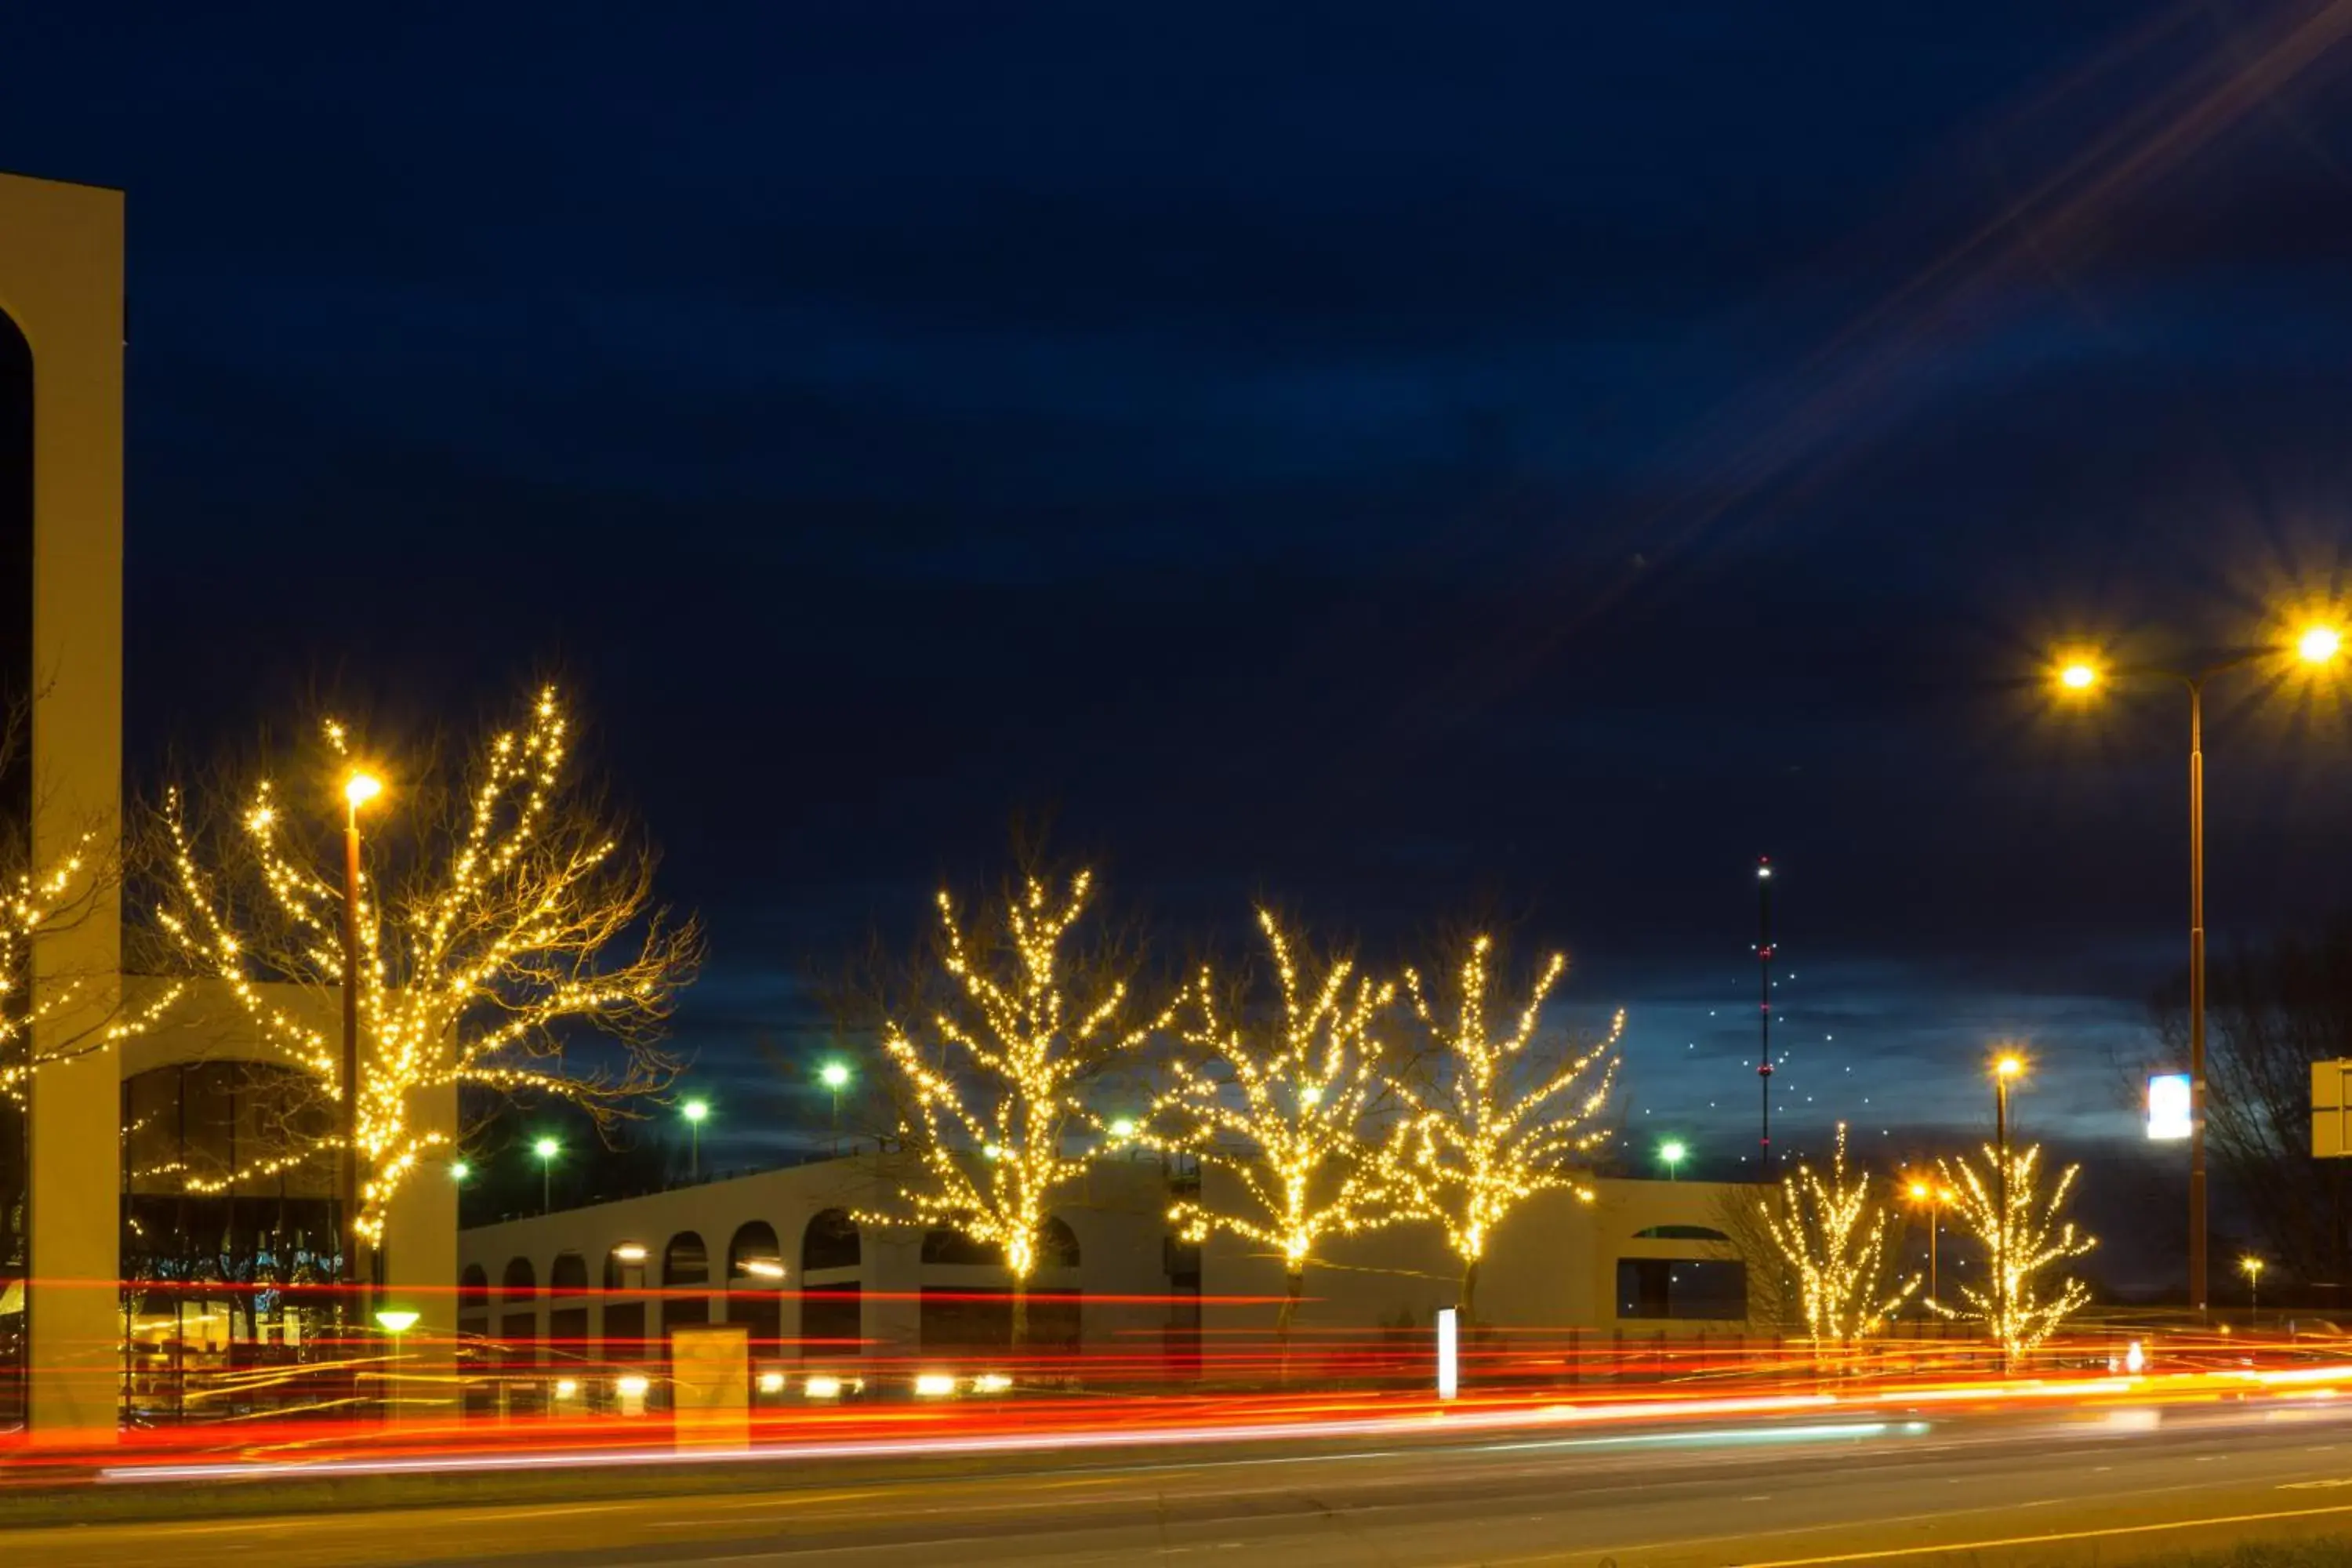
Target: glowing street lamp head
column 361, row 788
column 396, row 1319
column 2078, row 675
column 1673, row 1151
column 695, row 1110
column 2319, row 644
column 2252, row 1268
column 546, row 1147
column 459, row 1169
column 2008, row 1066
column 1123, row 1128
column 834, row 1074
column 1921, row 1192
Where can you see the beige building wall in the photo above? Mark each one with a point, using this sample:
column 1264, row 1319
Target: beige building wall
column 1551, row 1266
column 61, row 283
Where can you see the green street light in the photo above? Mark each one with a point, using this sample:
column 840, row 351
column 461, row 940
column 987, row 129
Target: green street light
column 546, row 1149
column 693, row 1111
column 459, row 1169
column 1123, row 1128
column 834, row 1076
column 1674, row 1151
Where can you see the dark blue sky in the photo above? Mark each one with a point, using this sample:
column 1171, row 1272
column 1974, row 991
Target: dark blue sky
column 1400, row 459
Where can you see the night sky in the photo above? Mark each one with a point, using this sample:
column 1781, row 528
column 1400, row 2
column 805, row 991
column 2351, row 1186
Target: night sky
column 1407, row 462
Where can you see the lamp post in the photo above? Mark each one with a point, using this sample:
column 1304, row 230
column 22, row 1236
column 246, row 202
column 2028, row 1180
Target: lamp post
column 2252, row 1268
column 2008, row 1067
column 1933, row 1196
column 1672, row 1152
column 2316, row 645
column 834, row 1076
column 395, row 1322
column 546, row 1149
column 693, row 1111
column 357, row 790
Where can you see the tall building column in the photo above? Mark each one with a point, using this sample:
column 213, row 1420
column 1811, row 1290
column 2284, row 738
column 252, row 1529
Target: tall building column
column 61, row 285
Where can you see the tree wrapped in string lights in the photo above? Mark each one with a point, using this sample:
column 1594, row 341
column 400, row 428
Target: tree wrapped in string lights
column 68, row 1013
column 1283, row 1101
column 1833, row 1236
column 991, row 1110
column 514, row 944
column 2017, row 1216
column 1505, row 1115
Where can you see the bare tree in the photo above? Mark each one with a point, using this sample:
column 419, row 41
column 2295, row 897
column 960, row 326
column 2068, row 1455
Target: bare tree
column 1285, row 1100
column 2271, row 1012
column 2022, row 1300
column 990, row 1087
column 1747, row 1218
column 1832, row 1238
column 41, row 900
column 1505, row 1114
column 509, row 941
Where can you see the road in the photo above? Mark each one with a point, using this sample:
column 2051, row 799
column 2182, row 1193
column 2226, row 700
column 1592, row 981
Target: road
column 1924, row 1487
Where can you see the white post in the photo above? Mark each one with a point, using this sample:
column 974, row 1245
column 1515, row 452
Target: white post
column 1449, row 1377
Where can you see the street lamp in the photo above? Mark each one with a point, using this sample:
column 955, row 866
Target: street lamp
column 693, row 1111
column 834, row 1076
column 395, row 1321
column 2316, row 644
column 2252, row 1268
column 546, row 1149
column 359, row 788
column 1673, row 1151
column 459, row 1169
column 1935, row 1198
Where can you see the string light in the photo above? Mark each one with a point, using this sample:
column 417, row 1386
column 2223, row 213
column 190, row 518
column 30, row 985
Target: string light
column 1023, row 1045
column 1282, row 1103
column 1832, row 1233
column 2020, row 1304
column 35, row 903
column 523, row 925
column 1492, row 1133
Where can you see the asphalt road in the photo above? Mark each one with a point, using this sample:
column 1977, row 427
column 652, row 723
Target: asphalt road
column 1980, row 1490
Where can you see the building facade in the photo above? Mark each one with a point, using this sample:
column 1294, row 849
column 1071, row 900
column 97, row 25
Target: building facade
column 99, row 1140
column 807, row 1260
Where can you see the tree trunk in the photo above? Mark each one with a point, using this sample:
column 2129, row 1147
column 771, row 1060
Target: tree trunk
column 1469, row 1292
column 1293, row 1283
column 1019, row 1312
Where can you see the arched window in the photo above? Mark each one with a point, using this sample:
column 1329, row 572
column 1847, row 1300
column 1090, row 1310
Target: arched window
column 943, row 1245
column 829, row 1242
column 1057, row 1245
column 570, row 1274
column 473, row 1287
column 520, row 1279
column 684, row 1260
column 1679, row 1233
column 754, row 1258
column 624, row 1267
column 755, row 1272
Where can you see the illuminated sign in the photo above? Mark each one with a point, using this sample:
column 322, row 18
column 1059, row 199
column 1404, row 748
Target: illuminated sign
column 2168, row 1106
